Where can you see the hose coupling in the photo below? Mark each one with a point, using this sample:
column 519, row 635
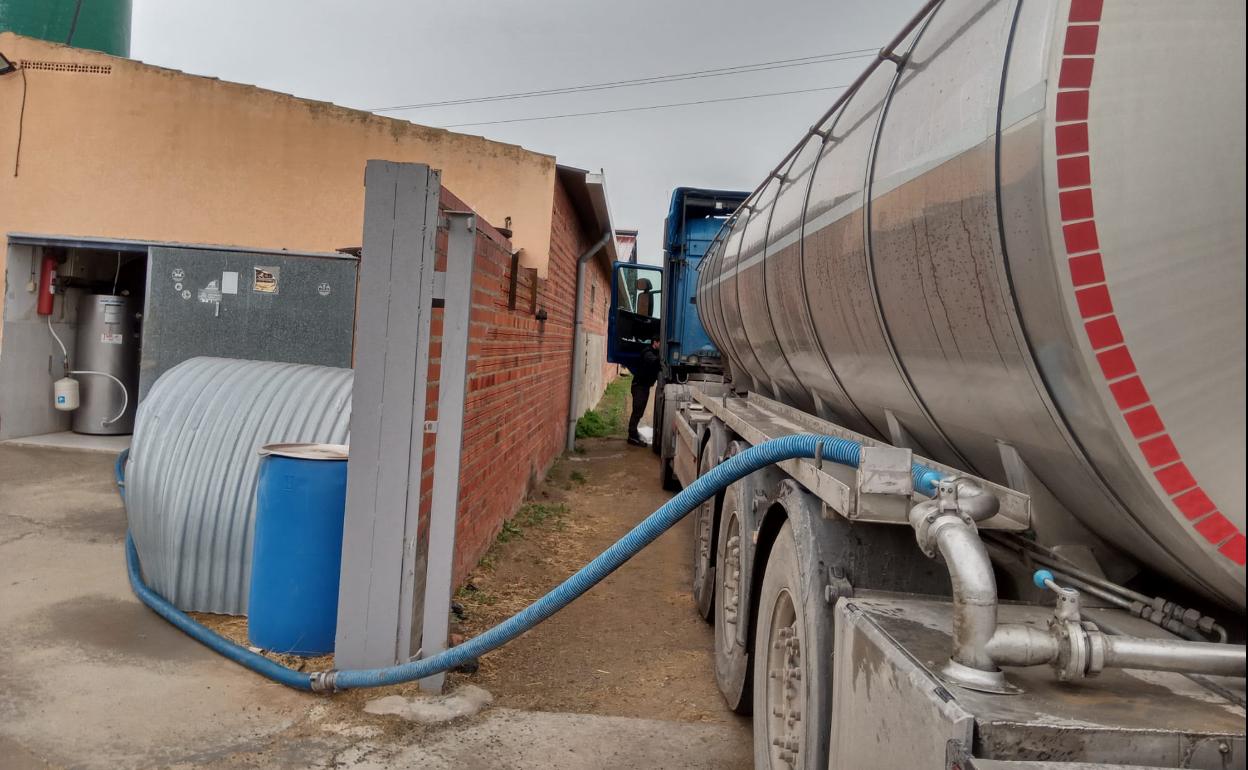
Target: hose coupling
column 957, row 500
column 1080, row 649
column 324, row 681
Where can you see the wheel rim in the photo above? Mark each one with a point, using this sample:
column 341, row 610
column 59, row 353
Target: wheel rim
column 786, row 692
column 702, row 542
column 730, row 596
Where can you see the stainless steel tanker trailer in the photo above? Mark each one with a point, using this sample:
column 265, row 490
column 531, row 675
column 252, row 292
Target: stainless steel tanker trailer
column 1013, row 251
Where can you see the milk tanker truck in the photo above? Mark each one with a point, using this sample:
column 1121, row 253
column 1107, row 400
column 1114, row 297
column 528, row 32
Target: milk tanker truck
column 1013, row 251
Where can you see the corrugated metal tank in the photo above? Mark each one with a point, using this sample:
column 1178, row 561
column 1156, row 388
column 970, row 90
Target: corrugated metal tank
column 100, row 25
column 191, row 474
column 1031, row 232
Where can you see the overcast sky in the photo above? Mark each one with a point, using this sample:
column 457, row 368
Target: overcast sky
column 374, row 53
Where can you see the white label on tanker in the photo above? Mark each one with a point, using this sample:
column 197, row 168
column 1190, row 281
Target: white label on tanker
column 229, row 282
column 110, row 338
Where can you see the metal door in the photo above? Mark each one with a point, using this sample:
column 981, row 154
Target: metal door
column 262, row 306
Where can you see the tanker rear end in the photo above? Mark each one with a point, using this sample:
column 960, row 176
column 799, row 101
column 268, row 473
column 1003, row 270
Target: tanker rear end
column 1012, row 252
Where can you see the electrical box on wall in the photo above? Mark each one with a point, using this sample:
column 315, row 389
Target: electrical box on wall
column 262, row 306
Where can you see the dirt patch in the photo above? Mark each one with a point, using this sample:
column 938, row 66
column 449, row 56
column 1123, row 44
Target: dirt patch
column 234, row 628
column 633, row 646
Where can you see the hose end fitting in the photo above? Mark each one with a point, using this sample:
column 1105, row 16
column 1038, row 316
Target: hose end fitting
column 324, row 681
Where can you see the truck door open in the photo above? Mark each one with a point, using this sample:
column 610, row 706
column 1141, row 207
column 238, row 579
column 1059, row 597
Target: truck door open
column 636, row 306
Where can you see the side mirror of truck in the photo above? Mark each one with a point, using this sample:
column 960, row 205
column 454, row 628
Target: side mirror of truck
column 636, row 306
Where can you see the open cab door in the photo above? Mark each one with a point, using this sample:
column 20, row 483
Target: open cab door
column 636, row 305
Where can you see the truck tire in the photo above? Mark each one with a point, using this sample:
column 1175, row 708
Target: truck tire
column 732, row 606
column 704, row 545
column 792, row 665
column 667, row 476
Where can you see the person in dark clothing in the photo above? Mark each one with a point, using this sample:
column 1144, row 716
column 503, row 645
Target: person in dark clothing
column 645, row 374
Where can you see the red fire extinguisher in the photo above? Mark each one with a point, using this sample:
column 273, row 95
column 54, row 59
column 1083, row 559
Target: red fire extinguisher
column 47, row 285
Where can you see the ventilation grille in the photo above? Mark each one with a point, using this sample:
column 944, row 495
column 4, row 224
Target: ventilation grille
column 60, row 66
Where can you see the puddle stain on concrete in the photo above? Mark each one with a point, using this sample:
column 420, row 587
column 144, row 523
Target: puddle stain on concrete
column 114, row 628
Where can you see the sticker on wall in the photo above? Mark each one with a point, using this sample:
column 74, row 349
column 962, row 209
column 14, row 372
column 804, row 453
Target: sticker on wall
column 178, row 274
column 186, row 294
column 210, row 293
column 229, row 282
column 323, row 289
column 177, row 286
column 266, row 279
column 110, row 338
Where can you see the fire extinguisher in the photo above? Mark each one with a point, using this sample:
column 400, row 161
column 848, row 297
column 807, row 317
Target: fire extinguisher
column 47, row 285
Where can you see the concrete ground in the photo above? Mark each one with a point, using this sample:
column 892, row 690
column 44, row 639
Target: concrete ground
column 92, row 679
column 69, row 440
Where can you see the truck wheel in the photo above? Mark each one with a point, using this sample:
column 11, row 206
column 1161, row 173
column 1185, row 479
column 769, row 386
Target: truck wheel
column 732, row 607
column 703, row 544
column 792, row 666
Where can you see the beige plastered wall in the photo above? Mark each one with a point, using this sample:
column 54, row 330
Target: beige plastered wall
column 154, row 154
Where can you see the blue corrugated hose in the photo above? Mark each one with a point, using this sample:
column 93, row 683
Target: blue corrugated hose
column 718, row 478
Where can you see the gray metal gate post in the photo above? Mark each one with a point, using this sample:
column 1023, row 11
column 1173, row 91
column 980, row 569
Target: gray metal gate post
column 382, row 589
column 379, row 542
column 452, row 385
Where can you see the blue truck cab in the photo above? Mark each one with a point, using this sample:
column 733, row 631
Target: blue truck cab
column 693, row 218
column 649, row 300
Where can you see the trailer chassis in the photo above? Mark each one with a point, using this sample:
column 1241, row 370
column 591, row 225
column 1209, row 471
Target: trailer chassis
column 847, row 663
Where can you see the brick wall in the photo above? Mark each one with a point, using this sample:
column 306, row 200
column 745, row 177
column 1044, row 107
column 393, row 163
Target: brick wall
column 519, row 374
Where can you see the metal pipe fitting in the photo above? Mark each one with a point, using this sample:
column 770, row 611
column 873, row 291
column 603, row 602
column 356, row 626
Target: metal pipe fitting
column 1074, row 647
column 1015, row 644
column 1209, row 658
column 945, row 525
column 324, row 681
column 1081, row 650
column 974, row 591
column 971, row 500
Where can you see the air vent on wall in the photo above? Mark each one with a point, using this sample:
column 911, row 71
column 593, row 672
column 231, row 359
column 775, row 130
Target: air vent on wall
column 59, row 66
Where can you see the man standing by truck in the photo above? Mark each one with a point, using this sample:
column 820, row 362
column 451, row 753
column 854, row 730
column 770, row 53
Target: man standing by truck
column 645, row 373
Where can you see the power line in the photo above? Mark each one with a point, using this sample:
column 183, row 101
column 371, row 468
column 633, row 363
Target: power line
column 739, row 69
column 647, row 107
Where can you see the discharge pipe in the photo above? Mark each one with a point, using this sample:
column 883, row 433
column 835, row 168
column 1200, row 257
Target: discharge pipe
column 578, row 337
column 1074, row 647
column 946, row 524
column 755, row 458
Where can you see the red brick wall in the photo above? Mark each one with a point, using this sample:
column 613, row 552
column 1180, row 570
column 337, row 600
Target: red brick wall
column 519, row 368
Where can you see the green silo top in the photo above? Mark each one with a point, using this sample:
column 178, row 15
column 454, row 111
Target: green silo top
column 100, row 25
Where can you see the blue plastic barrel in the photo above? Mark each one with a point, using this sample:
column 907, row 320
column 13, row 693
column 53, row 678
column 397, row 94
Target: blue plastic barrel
column 301, row 498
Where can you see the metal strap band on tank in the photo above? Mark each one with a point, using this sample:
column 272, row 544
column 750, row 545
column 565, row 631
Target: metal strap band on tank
column 1092, row 291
